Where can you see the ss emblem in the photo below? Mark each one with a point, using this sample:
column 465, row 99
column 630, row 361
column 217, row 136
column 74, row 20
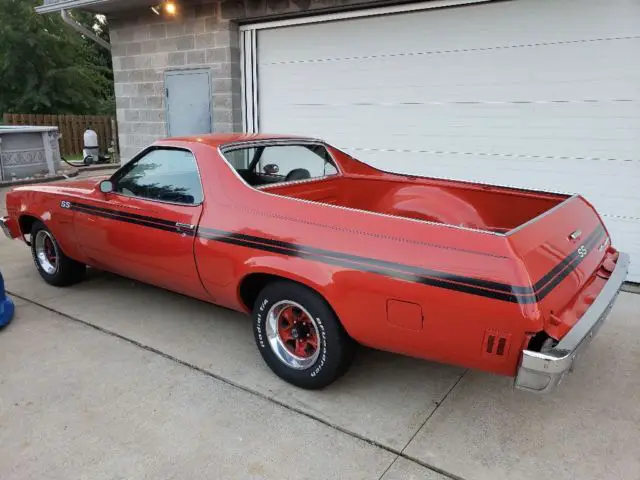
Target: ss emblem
column 582, row 251
column 65, row 204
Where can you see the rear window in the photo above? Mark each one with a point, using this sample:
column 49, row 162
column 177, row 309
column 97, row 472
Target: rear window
column 270, row 164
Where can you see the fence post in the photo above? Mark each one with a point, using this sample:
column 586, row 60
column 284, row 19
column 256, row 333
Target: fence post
column 75, row 127
column 62, row 125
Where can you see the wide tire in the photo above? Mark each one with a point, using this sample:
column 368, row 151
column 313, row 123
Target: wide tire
column 53, row 265
column 299, row 336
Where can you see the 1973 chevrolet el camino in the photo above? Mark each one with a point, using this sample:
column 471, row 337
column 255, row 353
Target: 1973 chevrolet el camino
column 327, row 252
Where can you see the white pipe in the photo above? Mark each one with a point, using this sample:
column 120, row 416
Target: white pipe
column 66, row 18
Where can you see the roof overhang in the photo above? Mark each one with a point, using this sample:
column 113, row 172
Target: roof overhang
column 97, row 6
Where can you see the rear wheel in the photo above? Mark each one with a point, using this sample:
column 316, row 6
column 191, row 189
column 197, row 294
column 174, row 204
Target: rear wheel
column 52, row 264
column 299, row 336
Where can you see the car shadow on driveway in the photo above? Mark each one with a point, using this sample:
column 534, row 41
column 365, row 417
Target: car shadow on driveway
column 384, row 398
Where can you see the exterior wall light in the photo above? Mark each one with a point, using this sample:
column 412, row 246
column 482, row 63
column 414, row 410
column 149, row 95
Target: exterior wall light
column 168, row 8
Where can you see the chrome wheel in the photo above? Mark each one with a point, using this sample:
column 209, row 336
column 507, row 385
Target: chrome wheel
column 47, row 254
column 293, row 334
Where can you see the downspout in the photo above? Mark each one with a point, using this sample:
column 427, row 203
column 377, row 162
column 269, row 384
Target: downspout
column 66, row 18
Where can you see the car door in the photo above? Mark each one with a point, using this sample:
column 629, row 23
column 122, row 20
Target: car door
column 144, row 228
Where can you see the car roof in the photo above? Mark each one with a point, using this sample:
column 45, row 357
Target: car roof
column 219, row 139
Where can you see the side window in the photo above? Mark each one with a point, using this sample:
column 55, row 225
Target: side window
column 281, row 163
column 241, row 158
column 168, row 175
column 297, row 161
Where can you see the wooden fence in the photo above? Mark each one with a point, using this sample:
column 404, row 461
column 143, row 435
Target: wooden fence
column 71, row 127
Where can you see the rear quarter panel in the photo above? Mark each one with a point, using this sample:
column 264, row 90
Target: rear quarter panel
column 245, row 231
column 561, row 266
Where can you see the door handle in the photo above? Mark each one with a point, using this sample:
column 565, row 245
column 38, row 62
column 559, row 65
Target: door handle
column 185, row 226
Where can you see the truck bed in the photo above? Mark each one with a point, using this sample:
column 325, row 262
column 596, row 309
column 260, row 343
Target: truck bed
column 558, row 240
column 480, row 207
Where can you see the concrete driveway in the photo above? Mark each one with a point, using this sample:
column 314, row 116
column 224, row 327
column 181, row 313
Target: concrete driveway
column 115, row 379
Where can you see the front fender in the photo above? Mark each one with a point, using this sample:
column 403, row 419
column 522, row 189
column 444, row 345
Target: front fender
column 47, row 209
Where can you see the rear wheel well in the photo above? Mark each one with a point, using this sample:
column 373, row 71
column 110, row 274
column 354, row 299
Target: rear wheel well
column 252, row 285
column 26, row 223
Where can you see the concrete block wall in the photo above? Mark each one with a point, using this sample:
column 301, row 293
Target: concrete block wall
column 145, row 45
column 204, row 34
column 242, row 9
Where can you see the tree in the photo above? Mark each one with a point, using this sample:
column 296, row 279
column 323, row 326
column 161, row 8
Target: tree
column 47, row 67
column 100, row 58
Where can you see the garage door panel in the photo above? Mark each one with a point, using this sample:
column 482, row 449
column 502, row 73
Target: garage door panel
column 575, row 116
column 502, row 24
column 525, row 133
column 395, row 84
column 561, row 175
column 517, row 129
column 570, row 73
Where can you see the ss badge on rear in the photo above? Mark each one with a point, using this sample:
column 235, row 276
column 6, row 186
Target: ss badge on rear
column 582, row 251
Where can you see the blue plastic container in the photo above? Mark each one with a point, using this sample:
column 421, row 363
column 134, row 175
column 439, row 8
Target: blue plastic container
column 6, row 306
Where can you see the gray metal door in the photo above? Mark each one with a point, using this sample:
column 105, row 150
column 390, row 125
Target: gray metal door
column 188, row 102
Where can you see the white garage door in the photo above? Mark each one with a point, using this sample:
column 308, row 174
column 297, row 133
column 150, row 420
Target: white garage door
column 530, row 93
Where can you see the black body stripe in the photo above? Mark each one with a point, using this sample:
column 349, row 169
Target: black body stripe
column 474, row 286
column 157, row 223
column 400, row 271
column 503, row 287
column 572, row 264
column 119, row 213
column 594, row 236
column 434, row 282
column 540, row 290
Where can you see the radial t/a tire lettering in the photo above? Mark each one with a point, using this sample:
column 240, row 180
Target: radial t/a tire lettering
column 299, row 336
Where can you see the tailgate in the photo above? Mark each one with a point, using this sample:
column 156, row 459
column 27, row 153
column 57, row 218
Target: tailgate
column 561, row 251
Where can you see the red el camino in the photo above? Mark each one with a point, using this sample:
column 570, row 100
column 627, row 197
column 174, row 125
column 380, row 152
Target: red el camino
column 327, row 252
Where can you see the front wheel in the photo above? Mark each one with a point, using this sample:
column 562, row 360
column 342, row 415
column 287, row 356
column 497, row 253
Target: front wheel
column 299, row 336
column 52, row 264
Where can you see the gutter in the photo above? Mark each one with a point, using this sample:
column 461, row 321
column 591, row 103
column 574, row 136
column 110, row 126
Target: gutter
column 68, row 19
column 68, row 4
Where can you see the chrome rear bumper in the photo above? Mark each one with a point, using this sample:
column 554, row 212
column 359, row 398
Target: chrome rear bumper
column 4, row 227
column 543, row 372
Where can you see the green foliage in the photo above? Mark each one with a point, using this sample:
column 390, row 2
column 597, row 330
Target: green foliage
column 47, row 67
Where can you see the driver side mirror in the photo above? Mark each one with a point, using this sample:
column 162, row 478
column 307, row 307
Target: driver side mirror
column 106, row 186
column 271, row 169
